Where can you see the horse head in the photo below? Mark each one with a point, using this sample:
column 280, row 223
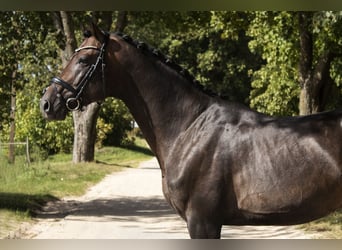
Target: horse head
column 82, row 81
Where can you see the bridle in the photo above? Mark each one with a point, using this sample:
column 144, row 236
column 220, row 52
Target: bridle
column 75, row 102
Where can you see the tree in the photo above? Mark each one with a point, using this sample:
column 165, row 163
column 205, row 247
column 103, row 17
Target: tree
column 39, row 62
column 299, row 51
column 226, row 63
column 314, row 67
column 274, row 86
column 213, row 46
column 17, row 42
column 9, row 69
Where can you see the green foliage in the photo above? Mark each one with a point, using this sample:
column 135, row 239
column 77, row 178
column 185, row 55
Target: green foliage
column 275, row 88
column 227, row 63
column 115, row 120
column 275, row 36
column 37, row 62
column 249, row 57
column 213, row 46
column 51, row 137
column 327, row 30
column 328, row 33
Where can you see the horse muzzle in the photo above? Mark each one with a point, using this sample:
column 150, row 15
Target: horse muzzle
column 52, row 110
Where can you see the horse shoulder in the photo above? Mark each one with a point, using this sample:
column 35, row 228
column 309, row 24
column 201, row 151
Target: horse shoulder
column 197, row 162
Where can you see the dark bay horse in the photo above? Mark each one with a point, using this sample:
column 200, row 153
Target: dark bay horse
column 221, row 162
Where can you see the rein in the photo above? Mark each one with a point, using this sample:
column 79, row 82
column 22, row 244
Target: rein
column 75, row 103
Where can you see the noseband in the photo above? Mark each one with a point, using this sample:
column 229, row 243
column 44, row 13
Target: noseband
column 74, row 103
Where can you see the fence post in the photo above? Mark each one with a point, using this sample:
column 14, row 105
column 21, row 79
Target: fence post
column 27, row 151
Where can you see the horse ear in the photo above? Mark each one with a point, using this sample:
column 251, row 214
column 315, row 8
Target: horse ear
column 95, row 31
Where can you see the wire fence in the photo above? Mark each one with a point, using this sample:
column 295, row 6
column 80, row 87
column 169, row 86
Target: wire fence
column 20, row 149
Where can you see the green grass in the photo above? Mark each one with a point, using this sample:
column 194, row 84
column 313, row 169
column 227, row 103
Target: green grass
column 329, row 227
column 25, row 188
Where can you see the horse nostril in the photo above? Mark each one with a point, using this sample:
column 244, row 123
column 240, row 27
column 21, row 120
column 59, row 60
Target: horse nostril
column 46, row 106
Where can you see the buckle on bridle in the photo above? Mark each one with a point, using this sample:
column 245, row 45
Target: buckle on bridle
column 73, row 104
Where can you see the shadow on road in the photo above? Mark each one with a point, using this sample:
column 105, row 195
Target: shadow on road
column 25, row 202
column 114, row 207
column 146, row 214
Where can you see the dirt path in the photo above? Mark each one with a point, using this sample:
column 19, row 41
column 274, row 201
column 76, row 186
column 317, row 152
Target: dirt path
column 129, row 205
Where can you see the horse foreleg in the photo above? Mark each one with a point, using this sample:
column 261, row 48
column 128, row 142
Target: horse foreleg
column 200, row 228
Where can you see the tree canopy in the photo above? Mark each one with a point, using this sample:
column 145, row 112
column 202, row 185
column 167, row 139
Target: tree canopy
column 271, row 61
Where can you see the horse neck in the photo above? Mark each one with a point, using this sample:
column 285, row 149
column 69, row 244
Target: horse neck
column 162, row 102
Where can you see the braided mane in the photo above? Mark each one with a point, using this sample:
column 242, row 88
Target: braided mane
column 150, row 51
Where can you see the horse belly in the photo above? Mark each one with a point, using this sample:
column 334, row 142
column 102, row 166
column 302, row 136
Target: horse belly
column 288, row 185
column 288, row 205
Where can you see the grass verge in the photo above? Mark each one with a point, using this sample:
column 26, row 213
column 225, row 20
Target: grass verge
column 26, row 188
column 329, row 227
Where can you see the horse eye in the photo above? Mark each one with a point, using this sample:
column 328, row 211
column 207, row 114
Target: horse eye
column 83, row 61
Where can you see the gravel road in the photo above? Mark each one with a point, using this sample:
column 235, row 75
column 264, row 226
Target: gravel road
column 130, row 205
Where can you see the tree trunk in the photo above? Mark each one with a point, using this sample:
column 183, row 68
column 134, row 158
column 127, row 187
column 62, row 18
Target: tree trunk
column 11, row 151
column 305, row 63
column 85, row 133
column 103, row 19
column 315, row 81
column 69, row 33
column 121, row 22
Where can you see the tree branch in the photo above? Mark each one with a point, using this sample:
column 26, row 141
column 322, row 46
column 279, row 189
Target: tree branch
column 56, row 18
column 121, row 21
